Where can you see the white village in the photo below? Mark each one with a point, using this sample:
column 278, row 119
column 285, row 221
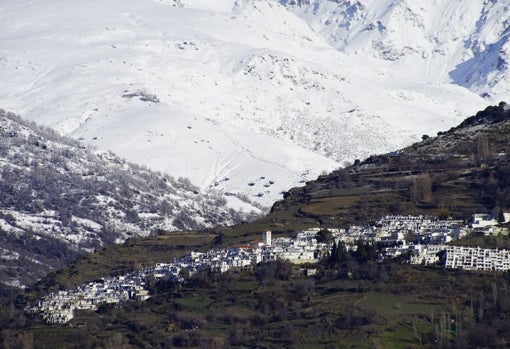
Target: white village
column 419, row 239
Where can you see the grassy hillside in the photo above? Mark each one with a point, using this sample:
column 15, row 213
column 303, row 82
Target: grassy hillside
column 459, row 172
column 134, row 254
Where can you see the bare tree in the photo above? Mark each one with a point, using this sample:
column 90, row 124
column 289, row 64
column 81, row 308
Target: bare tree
column 483, row 148
column 421, row 188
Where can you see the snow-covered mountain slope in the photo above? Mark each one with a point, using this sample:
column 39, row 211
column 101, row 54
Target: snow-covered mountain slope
column 466, row 42
column 242, row 96
column 59, row 198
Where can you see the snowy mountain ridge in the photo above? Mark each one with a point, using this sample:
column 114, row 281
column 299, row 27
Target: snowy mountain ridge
column 464, row 42
column 247, row 97
column 59, row 198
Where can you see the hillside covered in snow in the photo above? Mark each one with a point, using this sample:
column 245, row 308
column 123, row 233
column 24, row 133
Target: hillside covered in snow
column 463, row 42
column 250, row 97
column 59, row 198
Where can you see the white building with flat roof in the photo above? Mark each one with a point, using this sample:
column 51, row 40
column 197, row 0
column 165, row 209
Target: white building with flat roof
column 476, row 258
column 266, row 238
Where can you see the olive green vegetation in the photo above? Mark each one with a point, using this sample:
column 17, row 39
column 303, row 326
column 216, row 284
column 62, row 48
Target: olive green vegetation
column 386, row 305
column 133, row 255
column 500, row 241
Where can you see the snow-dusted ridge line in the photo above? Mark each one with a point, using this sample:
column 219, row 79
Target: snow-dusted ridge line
column 59, row 198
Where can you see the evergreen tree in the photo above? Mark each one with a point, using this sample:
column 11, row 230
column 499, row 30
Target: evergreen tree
column 333, row 258
column 365, row 251
column 501, row 216
column 343, row 255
